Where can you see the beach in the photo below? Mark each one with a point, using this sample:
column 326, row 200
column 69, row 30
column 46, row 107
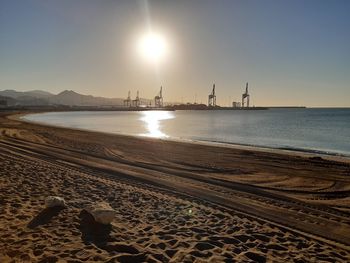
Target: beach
column 175, row 201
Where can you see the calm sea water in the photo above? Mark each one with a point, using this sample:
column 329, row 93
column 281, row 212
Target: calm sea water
column 319, row 130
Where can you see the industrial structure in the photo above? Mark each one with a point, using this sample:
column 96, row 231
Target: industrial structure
column 245, row 97
column 212, row 98
column 127, row 102
column 158, row 100
column 136, row 101
column 236, row 104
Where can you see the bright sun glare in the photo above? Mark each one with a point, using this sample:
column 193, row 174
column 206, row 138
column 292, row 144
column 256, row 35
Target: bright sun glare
column 153, row 119
column 153, row 47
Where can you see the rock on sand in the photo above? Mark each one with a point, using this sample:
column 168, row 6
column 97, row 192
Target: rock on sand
column 102, row 212
column 53, row 201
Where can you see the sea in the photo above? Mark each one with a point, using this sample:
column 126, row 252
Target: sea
column 315, row 130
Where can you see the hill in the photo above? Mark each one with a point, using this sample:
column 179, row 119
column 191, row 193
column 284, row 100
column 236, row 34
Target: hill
column 67, row 97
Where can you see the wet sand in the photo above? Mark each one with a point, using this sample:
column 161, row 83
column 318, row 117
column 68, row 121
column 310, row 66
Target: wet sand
column 175, row 202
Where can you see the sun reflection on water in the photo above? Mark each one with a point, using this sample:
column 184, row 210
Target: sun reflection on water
column 153, row 119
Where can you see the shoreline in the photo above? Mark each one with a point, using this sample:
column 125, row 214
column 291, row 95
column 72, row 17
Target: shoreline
column 174, row 201
column 332, row 156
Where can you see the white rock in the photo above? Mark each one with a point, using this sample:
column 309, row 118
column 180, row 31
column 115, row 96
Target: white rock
column 52, row 201
column 102, row 212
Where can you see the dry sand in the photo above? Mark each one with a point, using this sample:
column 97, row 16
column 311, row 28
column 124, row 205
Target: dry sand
column 175, row 202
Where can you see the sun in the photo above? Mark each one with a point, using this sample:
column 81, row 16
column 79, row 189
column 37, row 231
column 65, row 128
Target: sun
column 153, row 47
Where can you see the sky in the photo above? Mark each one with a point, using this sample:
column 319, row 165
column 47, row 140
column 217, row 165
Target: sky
column 291, row 52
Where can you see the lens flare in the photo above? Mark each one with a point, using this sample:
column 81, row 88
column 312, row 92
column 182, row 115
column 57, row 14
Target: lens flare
column 153, row 47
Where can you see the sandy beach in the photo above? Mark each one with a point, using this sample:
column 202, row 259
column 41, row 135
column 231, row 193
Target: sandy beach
column 175, row 201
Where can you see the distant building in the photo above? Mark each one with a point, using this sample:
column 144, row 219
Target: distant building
column 236, row 104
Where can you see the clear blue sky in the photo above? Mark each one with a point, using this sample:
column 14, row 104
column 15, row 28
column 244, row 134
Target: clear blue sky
column 291, row 52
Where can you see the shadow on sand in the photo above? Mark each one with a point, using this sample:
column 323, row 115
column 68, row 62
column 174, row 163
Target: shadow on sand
column 93, row 232
column 44, row 216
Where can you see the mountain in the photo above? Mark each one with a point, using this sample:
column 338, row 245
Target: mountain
column 27, row 100
column 34, row 93
column 67, row 97
column 7, row 101
column 71, row 98
column 40, row 93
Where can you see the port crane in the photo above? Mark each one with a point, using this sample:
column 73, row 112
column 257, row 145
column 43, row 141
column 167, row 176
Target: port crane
column 158, row 100
column 212, row 98
column 245, row 96
column 136, row 101
column 127, row 102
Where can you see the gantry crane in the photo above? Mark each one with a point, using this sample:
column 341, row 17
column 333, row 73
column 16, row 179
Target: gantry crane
column 127, row 102
column 158, row 100
column 212, row 98
column 245, row 96
column 136, row 101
